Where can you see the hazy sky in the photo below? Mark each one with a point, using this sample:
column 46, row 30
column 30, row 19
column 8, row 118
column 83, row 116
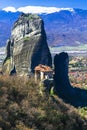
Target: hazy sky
column 55, row 3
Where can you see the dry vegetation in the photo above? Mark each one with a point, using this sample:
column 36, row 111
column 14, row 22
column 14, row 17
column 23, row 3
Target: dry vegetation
column 23, row 108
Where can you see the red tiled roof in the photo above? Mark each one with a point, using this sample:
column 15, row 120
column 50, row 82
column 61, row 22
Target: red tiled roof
column 43, row 68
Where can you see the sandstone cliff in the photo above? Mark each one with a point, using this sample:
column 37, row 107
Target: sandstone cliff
column 30, row 45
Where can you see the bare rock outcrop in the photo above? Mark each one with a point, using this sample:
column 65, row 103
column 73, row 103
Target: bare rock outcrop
column 62, row 83
column 70, row 94
column 30, row 45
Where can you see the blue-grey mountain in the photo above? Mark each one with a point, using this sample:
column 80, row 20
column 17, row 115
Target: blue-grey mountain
column 62, row 28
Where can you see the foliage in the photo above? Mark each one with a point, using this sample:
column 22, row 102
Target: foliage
column 31, row 16
column 23, row 108
column 26, row 39
column 83, row 111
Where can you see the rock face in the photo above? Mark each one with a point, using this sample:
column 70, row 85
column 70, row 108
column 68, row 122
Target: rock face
column 30, row 45
column 70, row 94
column 8, row 64
column 61, row 69
column 62, row 83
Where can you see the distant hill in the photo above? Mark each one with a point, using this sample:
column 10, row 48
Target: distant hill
column 66, row 27
column 63, row 28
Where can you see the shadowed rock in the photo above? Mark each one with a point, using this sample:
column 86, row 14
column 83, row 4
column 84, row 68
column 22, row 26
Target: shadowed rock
column 9, row 49
column 62, row 83
column 72, row 95
column 8, row 64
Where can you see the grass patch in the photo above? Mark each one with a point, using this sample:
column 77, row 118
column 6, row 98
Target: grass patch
column 25, row 39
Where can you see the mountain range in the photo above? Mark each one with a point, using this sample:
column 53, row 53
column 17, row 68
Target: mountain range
column 64, row 27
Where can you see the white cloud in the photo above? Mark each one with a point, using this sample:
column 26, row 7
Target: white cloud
column 36, row 9
column 10, row 8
